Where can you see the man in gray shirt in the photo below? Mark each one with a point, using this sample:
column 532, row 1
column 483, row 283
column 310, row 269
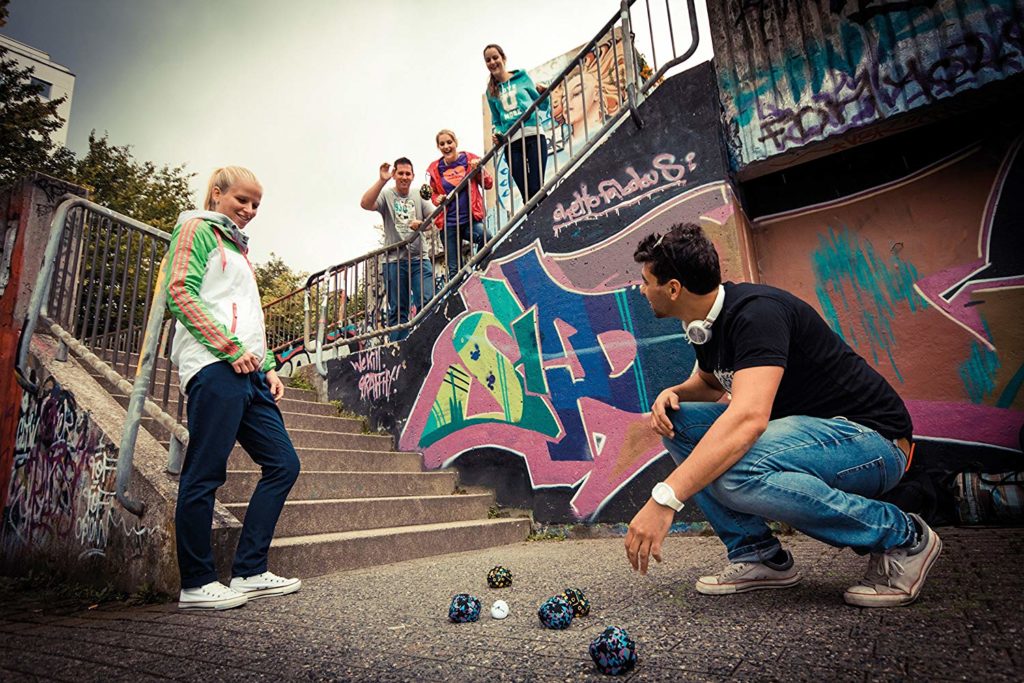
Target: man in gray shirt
column 405, row 270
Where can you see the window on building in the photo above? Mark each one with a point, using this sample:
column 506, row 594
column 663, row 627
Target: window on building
column 45, row 86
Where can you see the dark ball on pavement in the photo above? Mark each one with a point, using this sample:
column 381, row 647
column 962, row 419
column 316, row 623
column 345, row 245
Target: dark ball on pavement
column 614, row 652
column 464, row 607
column 578, row 601
column 555, row 613
column 499, row 577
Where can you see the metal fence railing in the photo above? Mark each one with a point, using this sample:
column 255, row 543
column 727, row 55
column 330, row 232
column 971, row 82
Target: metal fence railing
column 388, row 291
column 98, row 293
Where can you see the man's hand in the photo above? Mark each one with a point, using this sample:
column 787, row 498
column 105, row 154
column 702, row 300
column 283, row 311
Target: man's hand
column 415, row 224
column 246, row 363
column 275, row 385
column 646, row 533
column 661, row 423
column 385, row 172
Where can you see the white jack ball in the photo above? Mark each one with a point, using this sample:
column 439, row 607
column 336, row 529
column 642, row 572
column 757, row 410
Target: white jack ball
column 499, row 610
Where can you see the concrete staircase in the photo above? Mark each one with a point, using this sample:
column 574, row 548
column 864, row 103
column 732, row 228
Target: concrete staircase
column 357, row 502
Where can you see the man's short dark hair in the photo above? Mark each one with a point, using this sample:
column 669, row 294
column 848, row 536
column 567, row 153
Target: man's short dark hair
column 403, row 160
column 683, row 253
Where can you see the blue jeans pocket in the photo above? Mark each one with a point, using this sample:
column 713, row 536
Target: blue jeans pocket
column 866, row 479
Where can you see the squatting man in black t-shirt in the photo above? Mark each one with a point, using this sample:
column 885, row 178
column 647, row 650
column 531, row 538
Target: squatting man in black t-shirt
column 810, row 435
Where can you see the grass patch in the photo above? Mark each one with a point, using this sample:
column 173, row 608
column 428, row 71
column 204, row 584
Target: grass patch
column 299, row 381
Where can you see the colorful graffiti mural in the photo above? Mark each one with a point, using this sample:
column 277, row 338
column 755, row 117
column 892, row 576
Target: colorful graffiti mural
column 792, row 73
column 62, row 488
column 923, row 276
column 558, row 365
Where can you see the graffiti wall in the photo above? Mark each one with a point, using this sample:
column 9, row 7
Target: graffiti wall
column 791, row 73
column 61, row 494
column 534, row 377
column 921, row 272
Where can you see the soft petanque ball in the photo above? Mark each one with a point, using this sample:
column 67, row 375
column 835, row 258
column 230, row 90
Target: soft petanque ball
column 614, row 652
column 578, row 601
column 464, row 607
column 555, row 613
column 499, row 610
column 499, row 577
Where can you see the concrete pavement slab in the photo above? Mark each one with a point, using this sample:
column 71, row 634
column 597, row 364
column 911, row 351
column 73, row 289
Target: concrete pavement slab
column 390, row 623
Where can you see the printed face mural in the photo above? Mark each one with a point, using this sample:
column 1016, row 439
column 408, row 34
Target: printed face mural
column 924, row 277
column 791, row 73
column 557, row 359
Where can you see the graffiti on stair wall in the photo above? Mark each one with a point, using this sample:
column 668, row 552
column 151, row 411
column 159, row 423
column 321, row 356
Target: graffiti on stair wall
column 792, row 73
column 62, row 487
column 924, row 276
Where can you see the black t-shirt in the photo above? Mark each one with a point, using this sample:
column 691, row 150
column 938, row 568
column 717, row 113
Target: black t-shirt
column 761, row 325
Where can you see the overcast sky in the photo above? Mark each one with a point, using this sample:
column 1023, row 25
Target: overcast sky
column 312, row 95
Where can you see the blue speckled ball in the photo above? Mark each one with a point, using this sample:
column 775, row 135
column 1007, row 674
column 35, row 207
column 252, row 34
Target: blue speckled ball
column 499, row 577
column 555, row 613
column 613, row 651
column 578, row 601
column 464, row 607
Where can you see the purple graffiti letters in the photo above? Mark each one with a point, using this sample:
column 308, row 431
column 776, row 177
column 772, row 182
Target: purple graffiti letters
column 612, row 194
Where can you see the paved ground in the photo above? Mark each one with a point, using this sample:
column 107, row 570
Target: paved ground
column 390, row 623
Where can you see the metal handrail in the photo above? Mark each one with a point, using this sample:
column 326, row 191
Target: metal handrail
column 634, row 97
column 38, row 309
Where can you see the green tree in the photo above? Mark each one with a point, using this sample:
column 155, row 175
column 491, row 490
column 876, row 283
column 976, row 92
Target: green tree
column 275, row 278
column 286, row 318
column 147, row 193
column 27, row 122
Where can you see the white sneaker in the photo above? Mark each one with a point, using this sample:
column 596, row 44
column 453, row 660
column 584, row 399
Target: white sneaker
column 896, row 576
column 265, row 585
column 740, row 577
column 214, row 595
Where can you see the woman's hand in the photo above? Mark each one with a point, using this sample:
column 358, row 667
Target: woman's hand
column 473, row 163
column 275, row 385
column 246, row 363
column 541, row 88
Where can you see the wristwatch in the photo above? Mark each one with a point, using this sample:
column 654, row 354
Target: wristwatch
column 663, row 494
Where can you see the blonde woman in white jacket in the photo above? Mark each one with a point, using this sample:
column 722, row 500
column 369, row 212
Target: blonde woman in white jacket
column 227, row 372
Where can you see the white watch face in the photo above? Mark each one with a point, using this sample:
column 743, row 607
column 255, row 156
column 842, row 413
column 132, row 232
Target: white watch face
column 664, row 495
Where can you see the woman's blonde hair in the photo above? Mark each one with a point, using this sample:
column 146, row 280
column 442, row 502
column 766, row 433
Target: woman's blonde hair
column 225, row 177
column 445, row 131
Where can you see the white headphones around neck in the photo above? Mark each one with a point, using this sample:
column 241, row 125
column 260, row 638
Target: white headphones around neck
column 699, row 331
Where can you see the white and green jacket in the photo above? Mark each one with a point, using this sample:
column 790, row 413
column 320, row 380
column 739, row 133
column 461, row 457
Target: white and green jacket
column 211, row 291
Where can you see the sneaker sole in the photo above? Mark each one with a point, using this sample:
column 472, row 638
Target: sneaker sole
column 215, row 605
column 731, row 588
column 273, row 592
column 868, row 600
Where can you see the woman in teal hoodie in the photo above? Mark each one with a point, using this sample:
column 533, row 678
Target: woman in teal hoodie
column 509, row 94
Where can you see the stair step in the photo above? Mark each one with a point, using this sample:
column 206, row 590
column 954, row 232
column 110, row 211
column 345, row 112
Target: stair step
column 157, row 387
column 310, row 438
column 304, row 421
column 319, row 554
column 325, row 485
column 305, row 517
column 336, row 460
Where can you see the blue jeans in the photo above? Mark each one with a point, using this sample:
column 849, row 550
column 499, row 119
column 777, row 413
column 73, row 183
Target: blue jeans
column 526, row 159
column 453, row 236
column 224, row 406
column 818, row 476
column 408, row 275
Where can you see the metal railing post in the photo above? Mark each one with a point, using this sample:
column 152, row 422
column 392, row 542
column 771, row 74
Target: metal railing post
column 631, row 73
